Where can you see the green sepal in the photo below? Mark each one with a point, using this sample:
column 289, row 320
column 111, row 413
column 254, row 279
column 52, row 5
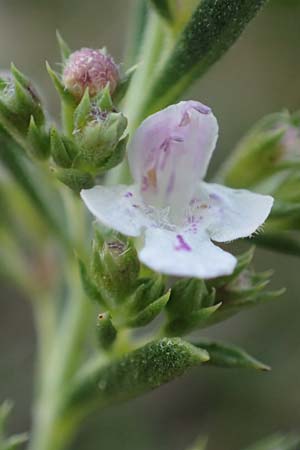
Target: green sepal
column 230, row 356
column 63, row 150
column 149, row 313
column 63, row 47
column 65, row 95
column 212, row 29
column 200, row 444
column 147, row 291
column 75, row 179
column 98, row 140
column 186, row 297
column 243, row 262
column 117, row 156
column 278, row 442
column 19, row 76
column 134, row 374
column 123, row 85
column 27, row 105
column 184, row 325
column 38, row 141
column 83, row 111
column 89, row 286
column 104, row 100
column 106, row 332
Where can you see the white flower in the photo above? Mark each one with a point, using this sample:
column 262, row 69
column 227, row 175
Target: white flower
column 176, row 212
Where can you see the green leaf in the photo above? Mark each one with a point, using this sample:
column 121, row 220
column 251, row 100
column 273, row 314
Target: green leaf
column 123, row 84
column 46, row 201
column 149, row 313
column 38, row 141
column 213, row 28
column 64, row 94
column 283, row 242
column 278, row 442
column 230, row 356
column 63, row 46
column 88, row 285
column 134, row 374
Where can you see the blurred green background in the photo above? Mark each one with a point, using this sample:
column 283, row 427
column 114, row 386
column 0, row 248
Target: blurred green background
column 258, row 76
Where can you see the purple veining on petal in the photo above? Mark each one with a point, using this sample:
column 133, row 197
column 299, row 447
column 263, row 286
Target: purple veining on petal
column 182, row 245
column 214, row 196
column 200, row 107
column 171, row 183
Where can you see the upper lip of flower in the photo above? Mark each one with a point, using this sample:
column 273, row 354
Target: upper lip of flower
column 177, row 212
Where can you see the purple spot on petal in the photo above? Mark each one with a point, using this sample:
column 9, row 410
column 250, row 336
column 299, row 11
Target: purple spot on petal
column 214, row 197
column 182, row 245
column 128, row 194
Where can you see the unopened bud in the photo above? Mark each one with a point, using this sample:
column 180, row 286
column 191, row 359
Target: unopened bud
column 19, row 102
column 106, row 332
column 271, row 146
column 100, row 137
column 115, row 268
column 92, row 69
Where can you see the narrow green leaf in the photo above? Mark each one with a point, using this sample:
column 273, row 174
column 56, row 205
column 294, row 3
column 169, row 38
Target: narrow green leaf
column 89, row 286
column 134, row 374
column 64, row 94
column 63, row 46
column 47, row 202
column 230, row 356
column 213, row 28
column 283, row 242
column 278, row 442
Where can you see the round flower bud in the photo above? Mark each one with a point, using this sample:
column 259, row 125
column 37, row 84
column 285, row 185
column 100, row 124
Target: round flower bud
column 92, row 69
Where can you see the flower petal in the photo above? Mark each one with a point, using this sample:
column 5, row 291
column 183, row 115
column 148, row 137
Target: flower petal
column 171, row 151
column 233, row 213
column 118, row 207
column 185, row 254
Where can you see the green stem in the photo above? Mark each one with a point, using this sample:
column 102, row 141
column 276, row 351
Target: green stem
column 50, row 431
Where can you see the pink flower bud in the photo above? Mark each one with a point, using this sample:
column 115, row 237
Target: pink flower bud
column 90, row 68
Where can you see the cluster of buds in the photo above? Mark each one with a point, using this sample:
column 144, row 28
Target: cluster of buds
column 112, row 280
column 268, row 159
column 93, row 140
column 195, row 304
column 96, row 141
column 21, row 113
column 271, row 147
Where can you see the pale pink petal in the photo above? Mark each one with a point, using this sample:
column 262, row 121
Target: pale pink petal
column 185, row 254
column 170, row 152
column 118, row 207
